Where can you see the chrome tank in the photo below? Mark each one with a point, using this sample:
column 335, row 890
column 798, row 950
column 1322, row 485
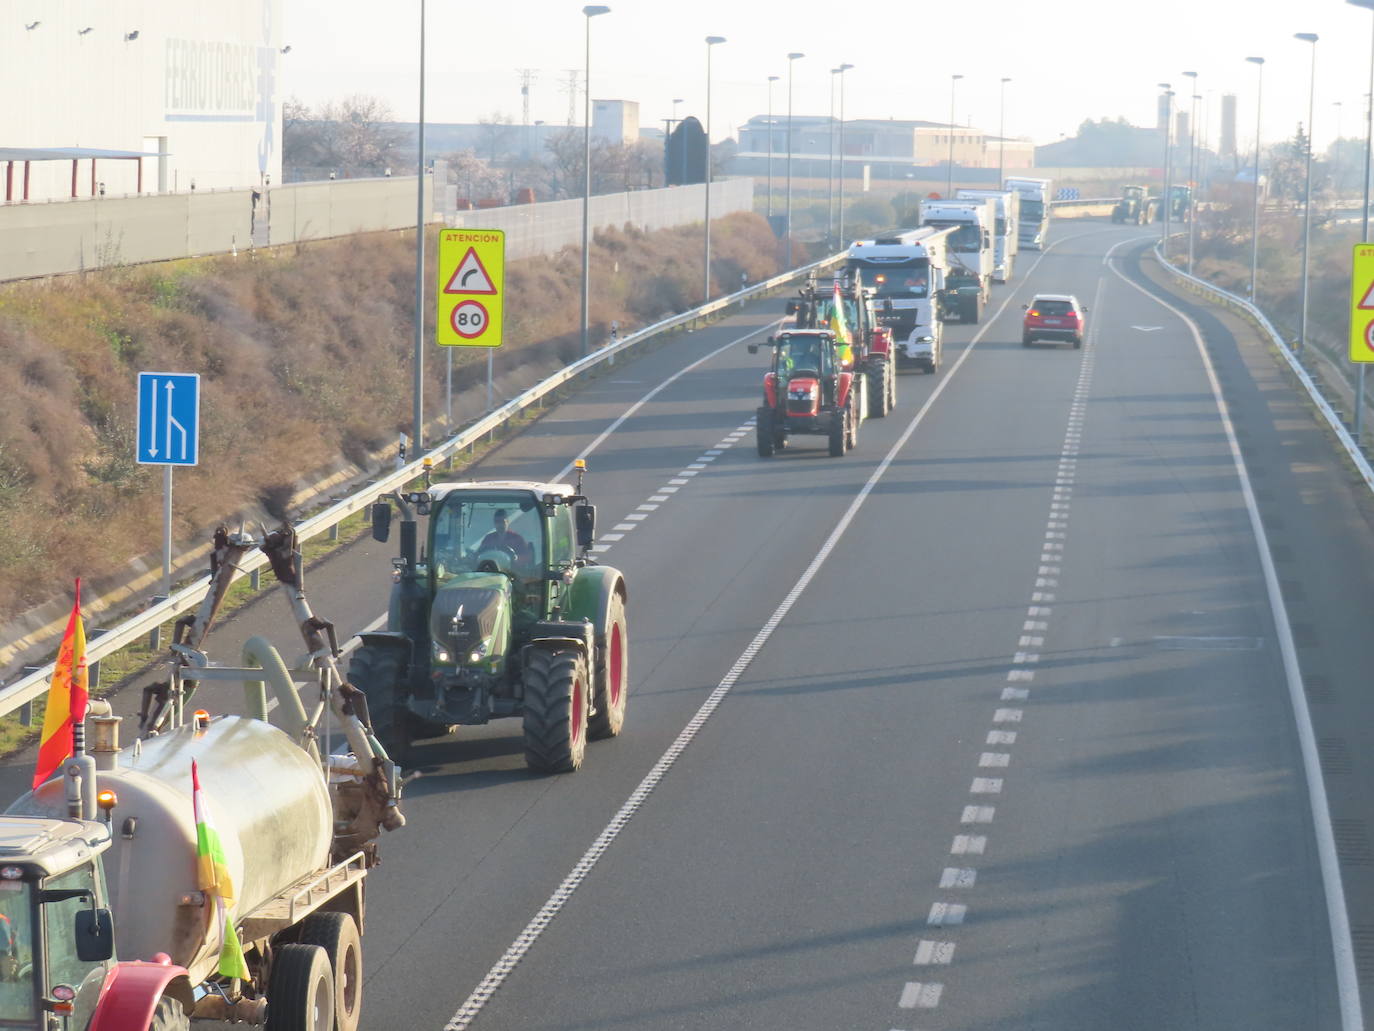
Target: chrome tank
column 267, row 800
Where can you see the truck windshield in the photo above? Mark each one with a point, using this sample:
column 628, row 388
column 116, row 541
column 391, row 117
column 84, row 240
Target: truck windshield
column 472, row 530
column 1032, row 210
column 896, row 279
column 17, row 994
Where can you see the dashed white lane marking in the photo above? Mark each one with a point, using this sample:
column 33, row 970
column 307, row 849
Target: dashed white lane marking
column 978, row 814
column 958, row 877
column 968, row 845
column 986, row 786
column 946, row 914
column 933, row 953
column 991, row 759
column 917, row 995
column 1007, row 716
column 1001, row 737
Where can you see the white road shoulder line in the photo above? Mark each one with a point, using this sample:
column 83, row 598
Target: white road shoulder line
column 1342, row 946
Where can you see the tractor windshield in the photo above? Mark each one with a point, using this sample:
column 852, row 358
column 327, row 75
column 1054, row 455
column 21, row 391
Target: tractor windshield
column 801, row 352
column 17, row 994
column 487, row 530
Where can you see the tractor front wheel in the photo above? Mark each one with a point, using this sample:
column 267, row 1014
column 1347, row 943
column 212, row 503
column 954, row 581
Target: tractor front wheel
column 763, row 431
column 556, row 699
column 379, row 673
column 612, row 675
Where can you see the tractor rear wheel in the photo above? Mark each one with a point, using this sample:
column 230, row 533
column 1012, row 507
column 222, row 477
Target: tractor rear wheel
column 555, row 709
column 170, row 1015
column 839, row 432
column 879, row 390
column 337, row 933
column 300, row 990
column 852, row 441
column 379, row 673
column 612, row 675
column 763, row 431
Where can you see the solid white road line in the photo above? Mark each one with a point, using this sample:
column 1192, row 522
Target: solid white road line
column 1347, row 981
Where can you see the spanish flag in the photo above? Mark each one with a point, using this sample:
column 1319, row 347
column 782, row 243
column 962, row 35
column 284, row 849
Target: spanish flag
column 212, row 876
column 67, row 697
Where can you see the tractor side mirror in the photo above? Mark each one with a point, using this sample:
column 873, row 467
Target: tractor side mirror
column 753, row 348
column 585, row 517
column 381, row 521
column 94, row 935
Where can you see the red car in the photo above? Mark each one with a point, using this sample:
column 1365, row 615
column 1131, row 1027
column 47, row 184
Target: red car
column 1057, row 317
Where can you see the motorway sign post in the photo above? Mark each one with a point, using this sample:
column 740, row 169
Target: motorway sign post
column 168, row 435
column 471, row 295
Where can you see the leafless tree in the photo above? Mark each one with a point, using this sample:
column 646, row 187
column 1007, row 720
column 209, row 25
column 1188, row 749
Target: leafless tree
column 496, row 135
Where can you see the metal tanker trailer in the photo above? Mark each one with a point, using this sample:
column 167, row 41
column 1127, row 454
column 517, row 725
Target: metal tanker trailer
column 105, row 923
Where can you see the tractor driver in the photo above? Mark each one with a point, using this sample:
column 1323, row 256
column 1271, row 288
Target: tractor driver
column 500, row 537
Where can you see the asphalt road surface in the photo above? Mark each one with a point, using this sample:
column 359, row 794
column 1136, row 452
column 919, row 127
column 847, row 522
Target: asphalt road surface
column 988, row 724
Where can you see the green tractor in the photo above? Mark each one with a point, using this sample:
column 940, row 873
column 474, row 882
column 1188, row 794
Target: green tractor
column 1136, row 206
column 500, row 613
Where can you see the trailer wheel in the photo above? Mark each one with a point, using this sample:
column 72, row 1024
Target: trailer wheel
column 337, row 934
column 555, row 727
column 612, row 676
column 380, row 673
column 170, row 1015
column 763, row 431
column 300, row 990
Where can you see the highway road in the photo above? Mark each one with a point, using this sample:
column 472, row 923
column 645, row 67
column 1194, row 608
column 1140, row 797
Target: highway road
column 989, row 724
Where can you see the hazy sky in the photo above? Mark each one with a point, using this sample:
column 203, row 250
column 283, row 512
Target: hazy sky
column 1068, row 59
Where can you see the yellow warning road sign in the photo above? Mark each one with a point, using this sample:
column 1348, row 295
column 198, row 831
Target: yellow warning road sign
column 472, row 271
column 1362, row 303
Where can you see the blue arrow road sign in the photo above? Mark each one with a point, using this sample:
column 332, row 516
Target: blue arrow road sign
column 168, row 418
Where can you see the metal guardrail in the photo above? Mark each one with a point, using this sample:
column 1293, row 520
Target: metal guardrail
column 32, row 685
column 1240, row 304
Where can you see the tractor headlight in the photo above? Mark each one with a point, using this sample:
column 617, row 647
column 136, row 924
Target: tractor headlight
column 441, row 653
column 478, row 653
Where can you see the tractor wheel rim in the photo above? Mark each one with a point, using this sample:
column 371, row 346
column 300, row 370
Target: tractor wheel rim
column 617, row 670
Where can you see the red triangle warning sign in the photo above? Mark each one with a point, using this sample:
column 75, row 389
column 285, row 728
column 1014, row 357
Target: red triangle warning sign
column 1368, row 303
column 470, row 277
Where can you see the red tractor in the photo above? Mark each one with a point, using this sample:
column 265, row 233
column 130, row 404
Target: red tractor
column 848, row 311
column 807, row 390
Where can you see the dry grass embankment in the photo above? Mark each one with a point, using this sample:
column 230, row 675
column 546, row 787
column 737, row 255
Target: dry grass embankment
column 305, row 356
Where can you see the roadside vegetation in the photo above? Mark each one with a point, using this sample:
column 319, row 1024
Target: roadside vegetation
column 305, row 354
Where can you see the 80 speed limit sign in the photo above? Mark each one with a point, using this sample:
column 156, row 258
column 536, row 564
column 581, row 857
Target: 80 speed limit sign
column 469, row 319
column 472, row 266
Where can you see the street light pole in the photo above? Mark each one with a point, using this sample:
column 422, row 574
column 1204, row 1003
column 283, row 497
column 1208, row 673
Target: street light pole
column 830, row 169
column 1364, row 222
column 791, row 59
column 1002, row 136
column 949, row 186
column 1168, row 159
column 771, row 79
column 1258, row 62
column 1192, row 170
column 1307, row 37
column 590, row 11
column 417, row 424
column 706, row 289
column 843, row 68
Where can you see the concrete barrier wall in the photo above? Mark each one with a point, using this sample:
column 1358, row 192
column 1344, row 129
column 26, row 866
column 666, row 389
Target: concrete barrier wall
column 70, row 236
column 547, row 228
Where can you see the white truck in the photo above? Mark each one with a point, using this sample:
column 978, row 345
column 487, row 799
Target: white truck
column 968, row 284
column 1035, row 208
column 906, row 274
column 1005, row 236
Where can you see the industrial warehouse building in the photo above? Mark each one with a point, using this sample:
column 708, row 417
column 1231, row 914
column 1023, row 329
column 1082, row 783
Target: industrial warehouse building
column 150, row 96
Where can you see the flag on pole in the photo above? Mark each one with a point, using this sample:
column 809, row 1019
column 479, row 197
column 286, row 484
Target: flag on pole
column 67, row 697
column 840, row 328
column 212, row 876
